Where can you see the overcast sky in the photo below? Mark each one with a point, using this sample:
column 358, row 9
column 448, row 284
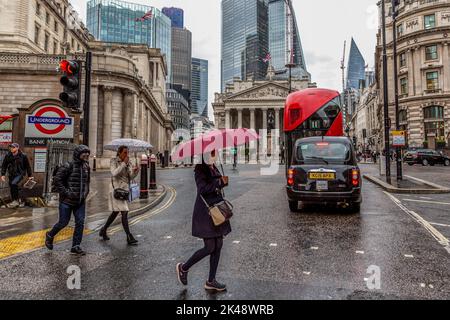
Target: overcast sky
column 324, row 26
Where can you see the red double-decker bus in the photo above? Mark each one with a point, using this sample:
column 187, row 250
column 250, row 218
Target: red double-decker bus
column 309, row 113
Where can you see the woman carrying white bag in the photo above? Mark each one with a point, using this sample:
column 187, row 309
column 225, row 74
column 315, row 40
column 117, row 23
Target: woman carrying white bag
column 122, row 175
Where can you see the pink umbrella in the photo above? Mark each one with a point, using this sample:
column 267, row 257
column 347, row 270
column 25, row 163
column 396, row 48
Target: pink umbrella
column 214, row 140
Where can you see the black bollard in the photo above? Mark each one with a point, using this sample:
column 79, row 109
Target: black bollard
column 144, row 177
column 153, row 172
column 94, row 166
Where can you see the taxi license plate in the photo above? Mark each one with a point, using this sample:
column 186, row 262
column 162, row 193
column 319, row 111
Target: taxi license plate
column 322, row 176
column 322, row 185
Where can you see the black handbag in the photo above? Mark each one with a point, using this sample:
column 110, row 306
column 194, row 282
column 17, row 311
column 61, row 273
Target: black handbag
column 119, row 193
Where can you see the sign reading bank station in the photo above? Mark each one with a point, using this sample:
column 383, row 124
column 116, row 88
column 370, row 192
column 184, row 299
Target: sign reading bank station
column 48, row 123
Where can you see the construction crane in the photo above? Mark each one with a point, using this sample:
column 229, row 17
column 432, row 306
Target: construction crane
column 343, row 86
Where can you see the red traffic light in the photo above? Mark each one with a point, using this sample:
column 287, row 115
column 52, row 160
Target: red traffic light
column 69, row 67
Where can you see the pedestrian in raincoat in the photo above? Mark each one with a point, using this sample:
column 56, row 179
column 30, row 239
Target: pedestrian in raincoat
column 210, row 183
column 122, row 174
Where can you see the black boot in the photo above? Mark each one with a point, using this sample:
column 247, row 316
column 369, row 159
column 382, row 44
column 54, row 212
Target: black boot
column 131, row 240
column 103, row 234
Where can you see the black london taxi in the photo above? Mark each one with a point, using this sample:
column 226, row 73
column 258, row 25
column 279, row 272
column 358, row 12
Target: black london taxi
column 324, row 170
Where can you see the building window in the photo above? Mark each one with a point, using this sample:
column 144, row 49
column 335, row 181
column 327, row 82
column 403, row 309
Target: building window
column 47, row 18
column 434, row 122
column 55, row 47
column 432, row 80
column 37, row 30
column 38, row 8
column 56, row 27
column 402, row 59
column 402, row 116
column 430, row 21
column 400, row 30
column 46, row 42
column 404, row 86
column 431, row 52
column 72, row 44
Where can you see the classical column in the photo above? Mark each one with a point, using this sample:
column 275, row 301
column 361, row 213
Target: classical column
column 93, row 121
column 239, row 118
column 446, row 68
column 277, row 118
column 411, row 76
column 417, row 71
column 264, row 118
column 252, row 119
column 127, row 113
column 107, row 115
column 227, row 119
column 141, row 121
column 253, row 144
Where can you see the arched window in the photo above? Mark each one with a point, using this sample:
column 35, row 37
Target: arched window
column 434, row 122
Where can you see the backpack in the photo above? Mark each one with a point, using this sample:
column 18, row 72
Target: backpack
column 55, row 172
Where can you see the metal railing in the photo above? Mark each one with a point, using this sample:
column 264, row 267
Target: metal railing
column 4, row 187
column 57, row 155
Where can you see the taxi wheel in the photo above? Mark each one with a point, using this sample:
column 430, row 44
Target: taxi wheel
column 425, row 162
column 447, row 163
column 293, row 206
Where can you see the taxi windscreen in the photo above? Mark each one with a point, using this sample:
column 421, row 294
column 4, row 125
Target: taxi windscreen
column 322, row 153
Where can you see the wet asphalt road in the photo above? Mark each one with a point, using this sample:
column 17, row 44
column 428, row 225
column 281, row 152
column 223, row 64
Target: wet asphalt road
column 320, row 253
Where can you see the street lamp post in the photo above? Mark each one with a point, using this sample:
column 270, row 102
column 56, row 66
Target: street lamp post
column 397, row 120
column 385, row 96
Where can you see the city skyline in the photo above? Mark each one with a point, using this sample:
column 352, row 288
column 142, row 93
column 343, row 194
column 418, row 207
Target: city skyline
column 323, row 57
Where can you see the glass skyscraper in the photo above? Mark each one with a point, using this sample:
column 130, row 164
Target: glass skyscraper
column 176, row 15
column 278, row 40
column 356, row 68
column 199, row 94
column 115, row 21
column 245, row 39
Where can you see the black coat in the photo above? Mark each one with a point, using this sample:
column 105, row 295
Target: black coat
column 209, row 185
column 72, row 179
column 16, row 165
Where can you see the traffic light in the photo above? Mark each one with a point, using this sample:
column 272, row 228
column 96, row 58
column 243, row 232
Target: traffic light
column 71, row 95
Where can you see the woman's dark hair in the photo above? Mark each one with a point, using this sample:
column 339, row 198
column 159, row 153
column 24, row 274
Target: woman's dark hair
column 120, row 150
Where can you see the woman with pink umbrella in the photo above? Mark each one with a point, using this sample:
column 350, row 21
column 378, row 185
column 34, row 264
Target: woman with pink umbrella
column 210, row 184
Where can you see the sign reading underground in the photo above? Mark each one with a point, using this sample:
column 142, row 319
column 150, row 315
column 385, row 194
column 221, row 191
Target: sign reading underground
column 48, row 124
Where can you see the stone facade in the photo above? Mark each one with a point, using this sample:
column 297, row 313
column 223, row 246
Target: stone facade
column 41, row 26
column 365, row 119
column 125, row 101
column 423, row 29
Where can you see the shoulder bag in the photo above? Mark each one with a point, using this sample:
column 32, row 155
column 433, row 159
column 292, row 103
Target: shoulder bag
column 220, row 212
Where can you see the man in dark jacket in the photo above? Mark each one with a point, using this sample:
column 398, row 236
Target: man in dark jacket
column 16, row 165
column 72, row 183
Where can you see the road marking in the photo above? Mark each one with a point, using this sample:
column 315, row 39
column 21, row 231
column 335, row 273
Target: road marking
column 426, row 198
column 440, row 224
column 423, row 285
column 236, row 242
column 409, row 256
column 360, row 252
column 432, row 230
column 31, row 241
column 424, row 201
column 168, row 237
column 314, row 248
column 307, row 273
column 273, row 245
column 173, row 195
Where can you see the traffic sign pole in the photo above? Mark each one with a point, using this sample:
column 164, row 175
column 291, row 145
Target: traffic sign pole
column 87, row 99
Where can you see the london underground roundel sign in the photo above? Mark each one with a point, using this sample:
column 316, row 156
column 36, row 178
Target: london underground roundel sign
column 51, row 122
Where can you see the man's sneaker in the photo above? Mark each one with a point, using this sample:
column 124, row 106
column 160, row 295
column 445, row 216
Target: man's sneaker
column 216, row 286
column 48, row 241
column 77, row 251
column 182, row 275
column 14, row 204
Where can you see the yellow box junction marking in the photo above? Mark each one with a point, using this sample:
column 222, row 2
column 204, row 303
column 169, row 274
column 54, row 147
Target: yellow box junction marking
column 30, row 241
